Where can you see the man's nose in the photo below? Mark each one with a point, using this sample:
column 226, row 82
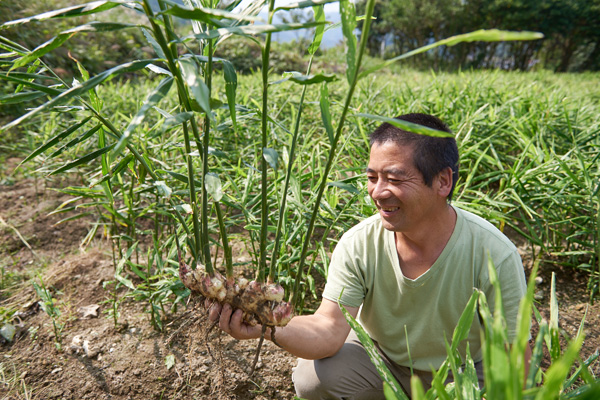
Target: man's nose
column 380, row 190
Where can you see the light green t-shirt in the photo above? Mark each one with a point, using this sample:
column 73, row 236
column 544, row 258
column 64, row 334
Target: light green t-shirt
column 365, row 265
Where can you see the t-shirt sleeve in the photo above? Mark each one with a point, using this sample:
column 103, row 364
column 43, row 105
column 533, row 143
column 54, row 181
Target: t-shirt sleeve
column 345, row 280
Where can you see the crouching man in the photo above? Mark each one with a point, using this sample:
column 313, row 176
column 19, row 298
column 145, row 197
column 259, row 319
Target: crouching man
column 412, row 267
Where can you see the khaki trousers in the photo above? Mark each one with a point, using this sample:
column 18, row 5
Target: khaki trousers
column 350, row 375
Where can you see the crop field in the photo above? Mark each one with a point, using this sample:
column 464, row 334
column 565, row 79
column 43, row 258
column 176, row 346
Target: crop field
column 110, row 181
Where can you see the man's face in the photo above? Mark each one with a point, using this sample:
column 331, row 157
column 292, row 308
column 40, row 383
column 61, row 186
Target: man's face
column 397, row 188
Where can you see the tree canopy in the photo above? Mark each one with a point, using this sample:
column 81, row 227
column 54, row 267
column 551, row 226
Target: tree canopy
column 571, row 29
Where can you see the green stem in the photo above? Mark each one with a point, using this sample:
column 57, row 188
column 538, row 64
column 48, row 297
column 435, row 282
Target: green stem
column 194, row 200
column 201, row 238
column 282, row 206
column 262, row 267
column 205, row 144
column 200, row 231
column 225, row 239
column 363, row 41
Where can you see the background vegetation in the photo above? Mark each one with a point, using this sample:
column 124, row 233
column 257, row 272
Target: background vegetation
column 571, row 29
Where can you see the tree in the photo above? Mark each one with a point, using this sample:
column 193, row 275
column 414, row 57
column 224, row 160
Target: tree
column 571, row 29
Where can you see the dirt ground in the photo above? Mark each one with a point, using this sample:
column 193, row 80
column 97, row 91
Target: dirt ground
column 134, row 361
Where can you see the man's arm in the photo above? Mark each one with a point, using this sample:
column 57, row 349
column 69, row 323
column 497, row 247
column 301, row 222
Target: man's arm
column 306, row 336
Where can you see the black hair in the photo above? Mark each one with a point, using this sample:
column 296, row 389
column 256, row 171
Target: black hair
column 431, row 154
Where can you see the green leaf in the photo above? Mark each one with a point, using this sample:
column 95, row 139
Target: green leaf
column 55, row 140
column 73, row 217
column 558, row 371
column 461, row 332
column 135, row 269
column 198, row 88
column 230, row 89
column 300, row 79
column 22, row 97
column 75, row 141
column 251, row 30
column 175, row 120
column 78, row 90
column 491, row 35
column 74, row 11
column 523, row 331
column 325, row 113
column 469, row 381
column 209, row 16
column 184, row 208
column 319, row 14
column 153, row 98
column 537, row 355
column 158, row 70
column 305, row 4
column 63, row 37
column 463, row 327
column 554, row 347
column 213, row 186
column 271, row 156
column 120, row 166
column 416, row 388
column 83, row 160
column 26, row 80
column 348, row 15
column 163, row 189
column 120, row 266
column 388, row 392
column 345, row 186
column 376, row 359
column 183, row 178
column 407, row 126
column 157, row 49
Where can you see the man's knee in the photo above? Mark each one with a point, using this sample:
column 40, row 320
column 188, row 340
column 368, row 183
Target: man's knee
column 307, row 383
column 336, row 378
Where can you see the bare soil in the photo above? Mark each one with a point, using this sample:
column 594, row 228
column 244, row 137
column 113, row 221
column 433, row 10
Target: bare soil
column 101, row 361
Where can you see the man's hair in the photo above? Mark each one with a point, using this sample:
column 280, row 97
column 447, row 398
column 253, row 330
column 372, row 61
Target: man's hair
column 431, row 154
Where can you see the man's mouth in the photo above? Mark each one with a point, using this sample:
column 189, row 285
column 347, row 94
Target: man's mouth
column 388, row 209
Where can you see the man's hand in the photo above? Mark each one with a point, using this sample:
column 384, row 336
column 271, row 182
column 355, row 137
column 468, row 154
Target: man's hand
column 306, row 336
column 230, row 321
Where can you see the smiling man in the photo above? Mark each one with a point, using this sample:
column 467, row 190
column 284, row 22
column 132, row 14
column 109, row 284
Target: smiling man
column 412, row 268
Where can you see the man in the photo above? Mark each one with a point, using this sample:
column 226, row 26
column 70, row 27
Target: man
column 412, row 267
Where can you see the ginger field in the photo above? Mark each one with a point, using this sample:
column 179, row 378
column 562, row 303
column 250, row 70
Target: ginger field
column 529, row 146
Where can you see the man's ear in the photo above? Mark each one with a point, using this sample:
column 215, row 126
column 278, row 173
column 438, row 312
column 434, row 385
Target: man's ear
column 444, row 182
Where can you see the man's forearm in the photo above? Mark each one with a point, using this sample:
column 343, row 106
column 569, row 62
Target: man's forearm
column 310, row 337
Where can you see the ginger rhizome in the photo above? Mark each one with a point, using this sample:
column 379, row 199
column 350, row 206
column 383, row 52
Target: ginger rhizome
column 261, row 303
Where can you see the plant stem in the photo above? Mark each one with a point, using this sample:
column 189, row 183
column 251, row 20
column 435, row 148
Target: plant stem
column 282, row 206
column 169, row 52
column 225, row 239
column 363, row 42
column 264, row 214
column 205, row 144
